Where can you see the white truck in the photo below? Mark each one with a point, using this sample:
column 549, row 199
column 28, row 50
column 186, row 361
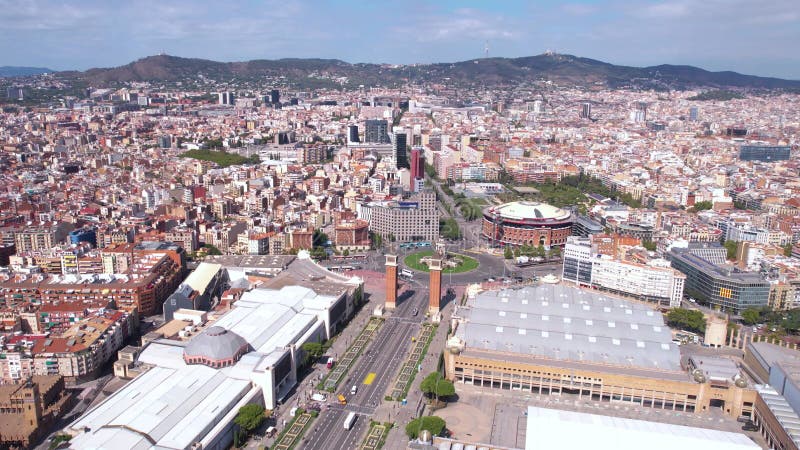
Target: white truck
column 349, row 420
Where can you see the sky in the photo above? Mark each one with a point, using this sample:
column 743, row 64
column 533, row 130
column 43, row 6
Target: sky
column 758, row 37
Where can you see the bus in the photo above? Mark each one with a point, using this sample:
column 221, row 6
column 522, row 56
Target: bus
column 342, row 258
column 348, row 421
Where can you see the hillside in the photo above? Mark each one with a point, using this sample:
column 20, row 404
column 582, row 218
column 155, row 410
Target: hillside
column 565, row 69
column 15, row 71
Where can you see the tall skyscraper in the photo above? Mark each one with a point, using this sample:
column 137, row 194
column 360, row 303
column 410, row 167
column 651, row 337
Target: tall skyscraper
column 352, row 134
column 694, row 113
column 400, row 150
column 417, row 167
column 274, row 96
column 226, row 98
column 586, row 110
column 376, row 131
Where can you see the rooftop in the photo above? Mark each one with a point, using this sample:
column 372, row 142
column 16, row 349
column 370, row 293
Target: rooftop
column 524, row 210
column 569, row 429
column 565, row 323
column 780, row 408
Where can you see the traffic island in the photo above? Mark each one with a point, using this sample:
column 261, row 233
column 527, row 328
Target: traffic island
column 451, row 263
column 411, row 366
column 335, row 376
column 376, row 436
column 291, row 435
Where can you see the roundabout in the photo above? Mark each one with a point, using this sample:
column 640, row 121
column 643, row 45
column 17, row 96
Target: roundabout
column 453, row 263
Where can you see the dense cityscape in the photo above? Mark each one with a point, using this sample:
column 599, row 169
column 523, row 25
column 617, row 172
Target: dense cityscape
column 318, row 255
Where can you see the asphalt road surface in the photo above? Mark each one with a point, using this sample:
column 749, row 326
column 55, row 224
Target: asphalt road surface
column 383, row 357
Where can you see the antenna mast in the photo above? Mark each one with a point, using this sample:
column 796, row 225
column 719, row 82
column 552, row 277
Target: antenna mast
column 486, row 49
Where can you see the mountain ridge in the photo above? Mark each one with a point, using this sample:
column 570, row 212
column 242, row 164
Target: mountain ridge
column 22, row 71
column 487, row 71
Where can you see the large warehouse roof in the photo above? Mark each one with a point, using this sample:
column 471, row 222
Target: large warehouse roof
column 566, row 323
column 530, row 210
column 173, row 405
column 162, row 408
column 552, row 428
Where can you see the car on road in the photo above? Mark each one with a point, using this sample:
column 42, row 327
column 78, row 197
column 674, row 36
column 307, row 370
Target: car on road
column 414, row 312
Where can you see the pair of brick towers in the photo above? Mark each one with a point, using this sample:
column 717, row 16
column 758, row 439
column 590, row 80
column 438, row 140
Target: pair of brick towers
column 435, row 288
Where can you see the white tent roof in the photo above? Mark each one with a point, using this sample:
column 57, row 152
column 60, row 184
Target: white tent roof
column 551, row 428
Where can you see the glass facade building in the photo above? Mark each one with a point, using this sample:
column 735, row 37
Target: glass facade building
column 720, row 285
column 764, row 153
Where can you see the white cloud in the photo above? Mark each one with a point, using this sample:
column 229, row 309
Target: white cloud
column 46, row 15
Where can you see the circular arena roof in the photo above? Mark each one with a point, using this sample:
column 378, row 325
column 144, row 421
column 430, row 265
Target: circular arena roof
column 215, row 344
column 530, row 211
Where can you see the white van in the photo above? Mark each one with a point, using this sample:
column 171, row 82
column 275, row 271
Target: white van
column 353, row 390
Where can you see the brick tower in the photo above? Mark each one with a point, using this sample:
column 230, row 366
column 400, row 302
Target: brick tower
column 435, row 288
column 391, row 281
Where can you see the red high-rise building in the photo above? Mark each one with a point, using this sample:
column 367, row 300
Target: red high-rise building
column 417, row 166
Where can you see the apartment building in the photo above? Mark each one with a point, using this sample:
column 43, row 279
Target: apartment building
column 414, row 218
column 653, row 282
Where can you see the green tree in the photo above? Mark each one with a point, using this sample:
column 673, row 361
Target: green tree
column 751, row 316
column 649, row 245
column 313, row 349
column 436, row 385
column 687, row 319
column 555, row 251
column 787, row 250
column 434, row 424
column 731, row 247
column 376, row 239
column 212, row 250
column 346, row 252
column 319, row 238
column 702, row 206
column 508, row 253
column 249, row 417
column 449, row 229
column 58, row 439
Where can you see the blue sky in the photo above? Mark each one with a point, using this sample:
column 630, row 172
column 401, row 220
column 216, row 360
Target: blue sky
column 759, row 37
